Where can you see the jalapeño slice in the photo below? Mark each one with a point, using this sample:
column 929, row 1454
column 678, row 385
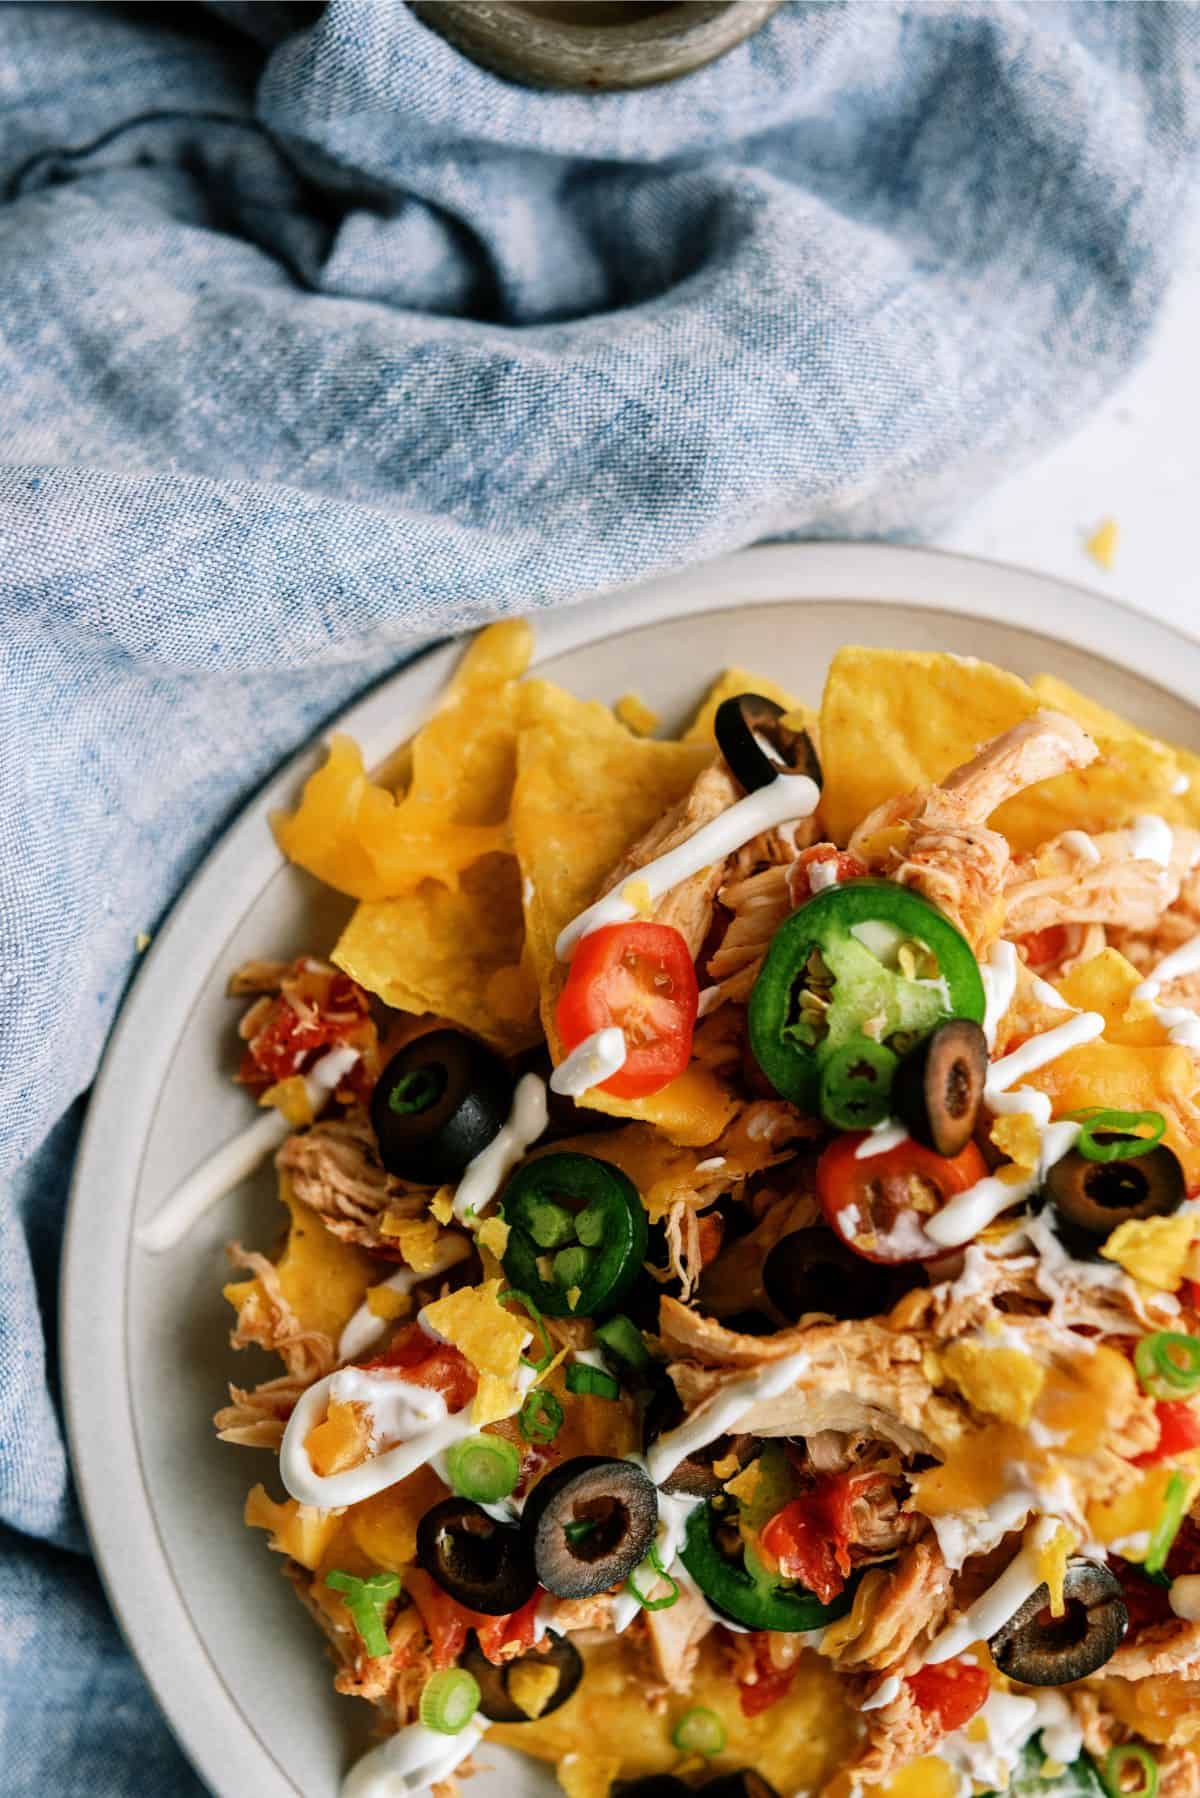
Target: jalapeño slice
column 577, row 1229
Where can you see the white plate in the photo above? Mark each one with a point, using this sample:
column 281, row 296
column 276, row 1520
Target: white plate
column 238, row 1669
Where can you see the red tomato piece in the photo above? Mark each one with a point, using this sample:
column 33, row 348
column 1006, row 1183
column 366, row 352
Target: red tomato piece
column 799, row 874
column 1043, row 948
column 878, row 1206
column 639, row 977
column 809, row 1539
column 501, row 1638
column 952, row 1691
column 317, row 1006
column 1178, row 1429
column 769, row 1683
column 448, row 1623
column 425, row 1362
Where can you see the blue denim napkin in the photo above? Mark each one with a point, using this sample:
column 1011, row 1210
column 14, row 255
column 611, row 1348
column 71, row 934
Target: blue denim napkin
column 316, row 339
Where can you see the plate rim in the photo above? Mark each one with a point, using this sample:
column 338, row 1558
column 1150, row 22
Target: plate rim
column 205, row 1717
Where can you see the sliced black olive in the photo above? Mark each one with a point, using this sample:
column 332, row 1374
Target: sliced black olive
column 756, row 743
column 1092, row 1197
column 437, row 1104
column 745, row 1783
column 1040, row 1650
column 812, row 1270
column 494, row 1699
column 694, row 1476
column 566, row 1117
column 588, row 1523
column 480, row 1562
column 938, row 1087
column 653, row 1785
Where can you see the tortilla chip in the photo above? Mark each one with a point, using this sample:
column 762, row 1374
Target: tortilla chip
column 454, row 953
column 585, row 791
column 892, row 720
column 732, row 682
column 359, row 838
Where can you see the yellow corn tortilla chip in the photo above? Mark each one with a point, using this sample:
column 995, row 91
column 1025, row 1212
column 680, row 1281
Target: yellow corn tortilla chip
column 892, row 720
column 455, row 953
column 732, row 682
column 585, row 791
column 358, row 837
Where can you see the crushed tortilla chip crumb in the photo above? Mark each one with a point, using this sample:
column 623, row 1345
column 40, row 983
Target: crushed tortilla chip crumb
column 493, row 1236
column 494, row 1398
column 745, row 1485
column 1000, row 1382
column 290, row 1098
column 441, row 1205
column 1052, row 1565
column 384, row 1301
column 1101, row 546
column 490, row 1337
column 726, row 1468
column 531, row 1687
column 574, row 1294
column 1155, row 1250
column 1017, row 1137
column 142, row 941
column 636, row 715
column 416, row 1238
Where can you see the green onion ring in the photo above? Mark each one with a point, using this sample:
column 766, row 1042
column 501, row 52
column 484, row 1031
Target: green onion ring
column 1124, row 1759
column 366, row 1600
column 699, row 1731
column 654, row 1604
column 449, row 1700
column 483, row 1468
column 592, row 1382
column 1128, row 1145
column 1162, row 1375
column 540, row 1417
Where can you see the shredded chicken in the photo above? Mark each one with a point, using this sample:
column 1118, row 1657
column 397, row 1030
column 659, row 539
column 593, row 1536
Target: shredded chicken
column 758, row 903
column 267, row 1320
column 675, row 1634
column 688, row 907
column 1172, row 1646
column 1062, row 883
column 257, row 977
column 897, row 1733
column 335, row 1169
column 258, row 1416
column 1177, row 925
column 948, row 853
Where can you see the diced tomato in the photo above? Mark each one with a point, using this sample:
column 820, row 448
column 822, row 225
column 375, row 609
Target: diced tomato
column 640, row 978
column 501, row 1638
column 317, row 1006
column 809, row 1540
column 1044, row 948
column 448, row 1623
column 799, row 874
column 769, row 1684
column 879, row 1206
column 1178, row 1429
column 1146, row 1601
column 425, row 1362
column 952, row 1691
column 1184, row 1554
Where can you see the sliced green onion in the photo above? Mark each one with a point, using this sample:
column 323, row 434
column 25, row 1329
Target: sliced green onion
column 591, row 1382
column 1167, row 1528
column 699, row 1731
column 571, row 1265
column 579, row 1531
column 1127, row 1144
column 654, row 1604
column 366, row 1600
column 622, row 1338
column 536, row 1319
column 1168, row 1364
column 589, row 1226
column 1128, row 1758
column 540, row 1417
column 484, row 1468
column 548, row 1223
column 449, row 1700
column 417, row 1090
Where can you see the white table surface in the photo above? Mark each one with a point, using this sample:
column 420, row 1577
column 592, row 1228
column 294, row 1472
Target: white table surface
column 1137, row 460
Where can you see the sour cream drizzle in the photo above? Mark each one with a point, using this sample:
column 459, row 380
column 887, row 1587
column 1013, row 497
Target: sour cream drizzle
column 1180, row 1023
column 878, row 1141
column 999, row 985
column 484, row 1176
column 787, row 797
column 415, row 1418
column 1079, row 842
column 1184, row 1597
column 237, row 1159
column 593, row 1061
column 1153, row 839
column 721, row 1413
column 365, row 1329
column 982, row 1619
column 411, row 1760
